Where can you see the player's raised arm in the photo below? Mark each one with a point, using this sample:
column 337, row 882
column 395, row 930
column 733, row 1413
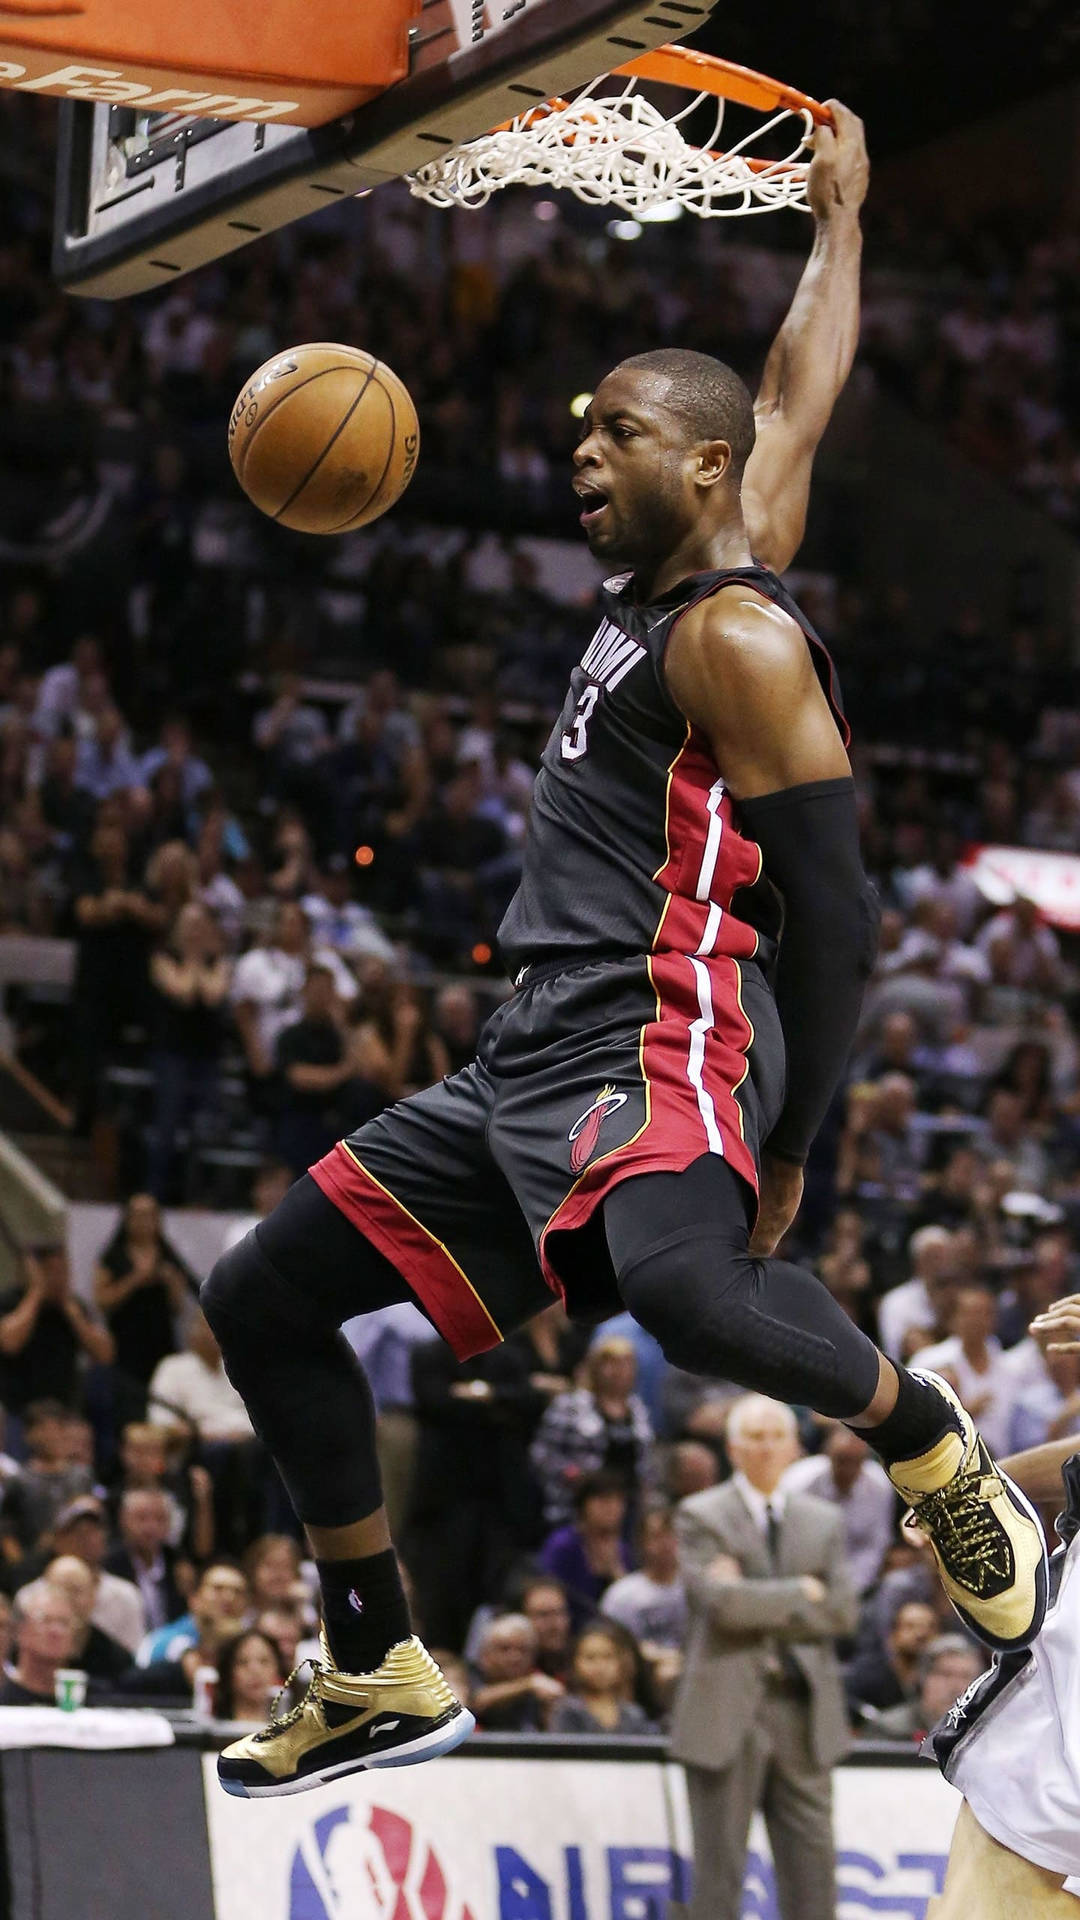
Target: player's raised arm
column 811, row 357
column 741, row 671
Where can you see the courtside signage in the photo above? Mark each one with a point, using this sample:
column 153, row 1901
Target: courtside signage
column 545, row 1840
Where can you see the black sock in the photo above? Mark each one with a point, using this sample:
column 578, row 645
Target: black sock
column 918, row 1421
column 365, row 1611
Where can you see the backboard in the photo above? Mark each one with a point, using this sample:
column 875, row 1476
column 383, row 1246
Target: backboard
column 145, row 196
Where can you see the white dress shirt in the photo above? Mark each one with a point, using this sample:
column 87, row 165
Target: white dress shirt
column 997, row 1386
column 868, row 1508
column 759, row 1503
column 204, row 1395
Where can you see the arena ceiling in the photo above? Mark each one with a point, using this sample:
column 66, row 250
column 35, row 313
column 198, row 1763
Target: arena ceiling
column 912, row 68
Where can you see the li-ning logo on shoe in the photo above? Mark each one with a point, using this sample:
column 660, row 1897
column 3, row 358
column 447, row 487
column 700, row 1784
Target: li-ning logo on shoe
column 355, row 1601
column 585, row 1131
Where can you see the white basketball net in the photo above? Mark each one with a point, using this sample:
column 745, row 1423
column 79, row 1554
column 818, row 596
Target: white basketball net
column 621, row 151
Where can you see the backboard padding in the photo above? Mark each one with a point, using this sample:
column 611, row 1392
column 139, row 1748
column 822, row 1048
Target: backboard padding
column 125, row 227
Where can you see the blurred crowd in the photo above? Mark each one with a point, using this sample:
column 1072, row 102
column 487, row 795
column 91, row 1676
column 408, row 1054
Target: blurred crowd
column 274, row 795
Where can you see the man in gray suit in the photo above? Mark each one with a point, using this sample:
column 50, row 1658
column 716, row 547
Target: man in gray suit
column 759, row 1719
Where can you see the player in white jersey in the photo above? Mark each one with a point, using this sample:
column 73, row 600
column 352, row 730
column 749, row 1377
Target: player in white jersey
column 1012, row 1742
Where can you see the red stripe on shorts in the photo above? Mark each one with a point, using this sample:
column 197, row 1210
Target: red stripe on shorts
column 427, row 1266
column 693, row 1056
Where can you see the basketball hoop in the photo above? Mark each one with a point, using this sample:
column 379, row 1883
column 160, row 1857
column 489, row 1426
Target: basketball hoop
column 618, row 149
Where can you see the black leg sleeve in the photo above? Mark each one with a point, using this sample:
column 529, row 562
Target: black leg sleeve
column 275, row 1303
column 679, row 1245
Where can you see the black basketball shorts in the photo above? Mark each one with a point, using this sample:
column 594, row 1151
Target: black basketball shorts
column 483, row 1191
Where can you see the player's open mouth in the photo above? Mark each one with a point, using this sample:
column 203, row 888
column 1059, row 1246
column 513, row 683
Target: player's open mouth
column 593, row 503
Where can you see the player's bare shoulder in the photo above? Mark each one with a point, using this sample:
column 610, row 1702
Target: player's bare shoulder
column 740, row 669
column 736, row 645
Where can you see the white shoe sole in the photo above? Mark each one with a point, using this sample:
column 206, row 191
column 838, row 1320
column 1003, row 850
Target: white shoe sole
column 428, row 1746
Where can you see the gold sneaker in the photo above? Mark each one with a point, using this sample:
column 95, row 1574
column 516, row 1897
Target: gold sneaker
column 346, row 1722
column 986, row 1537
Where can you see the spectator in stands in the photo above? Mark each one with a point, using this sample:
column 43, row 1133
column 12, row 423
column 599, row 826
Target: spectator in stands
column 1031, row 947
column 82, row 1530
column 250, row 1676
column 651, row 1603
column 314, row 1065
column 381, row 774
column 285, row 1625
column 596, row 1701
column 886, row 1673
column 272, row 1566
column 337, row 920
column 393, row 1047
column 692, row 1467
column 141, row 1286
column 467, row 867
column 512, row 1694
column 104, row 762
column 973, row 1361
column 67, row 811
column 910, row 1315
column 602, row 1424
column 896, row 1140
column 45, row 1332
column 143, row 1555
column 476, row 1509
column 268, row 987
column 115, row 923
column 949, row 1666
column 191, row 1391
column 1047, row 1407
column 546, row 1606
column 293, row 737
column 846, row 1474
column 1012, row 1138
column 291, row 864
column 44, row 1642
column 219, row 1606
column 95, row 1652
column 176, row 751
column 144, row 1467
column 455, row 1021
column 588, row 1554
column 62, row 691
column 47, row 1482
column 189, row 976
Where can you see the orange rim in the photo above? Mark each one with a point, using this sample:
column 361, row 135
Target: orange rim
column 704, row 73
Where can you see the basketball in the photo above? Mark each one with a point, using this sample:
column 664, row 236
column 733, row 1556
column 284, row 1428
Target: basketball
column 324, row 438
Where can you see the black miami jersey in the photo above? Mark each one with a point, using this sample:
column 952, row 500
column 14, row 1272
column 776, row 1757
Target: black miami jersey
column 643, row 1033
column 633, row 844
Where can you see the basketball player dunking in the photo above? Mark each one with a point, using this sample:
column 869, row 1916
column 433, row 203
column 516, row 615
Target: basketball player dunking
column 689, row 945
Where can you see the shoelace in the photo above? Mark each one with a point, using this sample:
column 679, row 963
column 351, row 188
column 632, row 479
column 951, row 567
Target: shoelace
column 959, row 1517
column 311, row 1692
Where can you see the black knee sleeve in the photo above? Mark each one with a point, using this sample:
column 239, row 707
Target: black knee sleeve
column 762, row 1324
column 244, row 1289
column 303, row 1386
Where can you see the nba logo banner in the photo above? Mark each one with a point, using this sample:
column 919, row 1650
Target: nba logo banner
column 553, row 1839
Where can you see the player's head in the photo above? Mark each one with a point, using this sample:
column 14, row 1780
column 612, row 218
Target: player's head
column 667, row 437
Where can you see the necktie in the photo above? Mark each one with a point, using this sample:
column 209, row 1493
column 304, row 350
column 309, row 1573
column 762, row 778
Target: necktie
column 788, row 1665
column 772, row 1534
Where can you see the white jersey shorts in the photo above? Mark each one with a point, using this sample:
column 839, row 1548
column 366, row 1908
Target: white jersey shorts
column 1011, row 1744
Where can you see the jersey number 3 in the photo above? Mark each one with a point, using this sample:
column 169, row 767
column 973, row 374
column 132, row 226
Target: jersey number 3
column 576, row 743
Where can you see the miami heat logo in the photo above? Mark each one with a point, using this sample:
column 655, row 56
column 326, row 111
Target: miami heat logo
column 585, row 1132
